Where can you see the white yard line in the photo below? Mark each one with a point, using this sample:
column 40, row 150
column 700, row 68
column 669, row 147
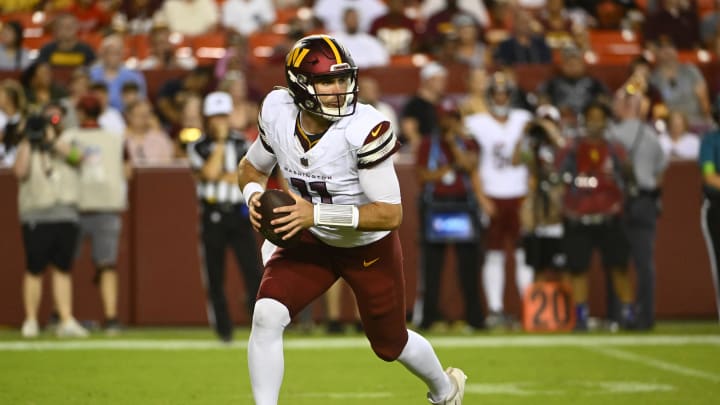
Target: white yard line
column 655, row 363
column 593, row 342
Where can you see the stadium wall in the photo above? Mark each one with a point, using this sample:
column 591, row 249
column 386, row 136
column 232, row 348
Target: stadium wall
column 159, row 263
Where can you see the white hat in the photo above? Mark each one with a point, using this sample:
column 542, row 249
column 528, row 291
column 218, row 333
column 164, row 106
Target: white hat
column 217, row 103
column 432, row 69
column 548, row 111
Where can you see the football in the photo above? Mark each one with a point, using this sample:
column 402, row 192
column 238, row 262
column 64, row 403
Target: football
column 270, row 200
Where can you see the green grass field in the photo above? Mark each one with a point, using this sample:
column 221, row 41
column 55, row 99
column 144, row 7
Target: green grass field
column 679, row 363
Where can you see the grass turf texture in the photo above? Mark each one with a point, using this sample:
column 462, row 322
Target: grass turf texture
column 678, row 363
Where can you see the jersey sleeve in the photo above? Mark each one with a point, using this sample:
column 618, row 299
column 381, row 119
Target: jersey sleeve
column 386, row 190
column 379, row 144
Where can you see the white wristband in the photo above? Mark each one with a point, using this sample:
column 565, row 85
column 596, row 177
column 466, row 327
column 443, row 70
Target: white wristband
column 341, row 215
column 250, row 189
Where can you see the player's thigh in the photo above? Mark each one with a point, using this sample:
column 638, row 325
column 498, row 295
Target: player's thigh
column 374, row 272
column 296, row 276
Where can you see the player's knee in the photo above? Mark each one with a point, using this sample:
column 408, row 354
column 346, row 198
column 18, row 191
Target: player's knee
column 269, row 313
column 388, row 351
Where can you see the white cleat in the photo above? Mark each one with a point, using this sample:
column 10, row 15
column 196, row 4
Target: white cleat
column 457, row 377
column 30, row 329
column 71, row 329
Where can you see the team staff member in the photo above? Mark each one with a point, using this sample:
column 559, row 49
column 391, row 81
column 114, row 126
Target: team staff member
column 214, row 157
column 710, row 214
column 335, row 153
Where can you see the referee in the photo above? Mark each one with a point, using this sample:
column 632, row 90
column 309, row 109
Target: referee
column 710, row 215
column 224, row 216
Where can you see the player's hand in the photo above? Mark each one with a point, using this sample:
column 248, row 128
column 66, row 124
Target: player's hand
column 253, row 205
column 300, row 216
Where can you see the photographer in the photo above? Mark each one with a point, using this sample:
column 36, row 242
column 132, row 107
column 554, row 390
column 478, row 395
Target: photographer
column 45, row 166
column 541, row 213
column 102, row 198
column 646, row 165
column 446, row 165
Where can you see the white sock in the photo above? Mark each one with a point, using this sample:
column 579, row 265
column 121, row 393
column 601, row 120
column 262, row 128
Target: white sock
column 265, row 350
column 494, row 279
column 524, row 274
column 419, row 357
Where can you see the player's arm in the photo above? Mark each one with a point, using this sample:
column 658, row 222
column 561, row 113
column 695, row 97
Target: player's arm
column 252, row 175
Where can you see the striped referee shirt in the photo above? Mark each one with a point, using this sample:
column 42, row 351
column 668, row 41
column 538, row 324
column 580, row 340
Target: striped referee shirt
column 220, row 192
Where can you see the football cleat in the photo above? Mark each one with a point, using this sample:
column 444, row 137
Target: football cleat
column 457, row 378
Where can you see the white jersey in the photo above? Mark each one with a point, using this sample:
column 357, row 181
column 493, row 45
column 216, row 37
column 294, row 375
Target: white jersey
column 497, row 142
column 327, row 171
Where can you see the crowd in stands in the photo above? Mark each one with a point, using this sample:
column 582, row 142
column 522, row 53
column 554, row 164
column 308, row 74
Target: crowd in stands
column 107, row 45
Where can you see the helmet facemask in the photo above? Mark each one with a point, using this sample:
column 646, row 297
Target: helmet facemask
column 345, row 102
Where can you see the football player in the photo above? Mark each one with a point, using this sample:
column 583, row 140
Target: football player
column 335, row 154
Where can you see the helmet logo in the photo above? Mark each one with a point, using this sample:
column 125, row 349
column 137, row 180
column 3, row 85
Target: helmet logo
column 309, row 104
column 296, row 56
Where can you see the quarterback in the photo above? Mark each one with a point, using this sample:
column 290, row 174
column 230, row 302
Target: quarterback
column 335, row 155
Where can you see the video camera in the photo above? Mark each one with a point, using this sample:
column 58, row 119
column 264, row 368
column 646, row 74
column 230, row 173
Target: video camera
column 35, row 128
column 537, row 132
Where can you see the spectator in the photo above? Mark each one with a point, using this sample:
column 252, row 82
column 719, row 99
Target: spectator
column 91, row 15
column 225, row 221
column 79, row 86
column 639, row 82
column 13, row 56
column 237, row 56
column 370, row 93
column 419, row 117
column 110, row 120
column 146, row 142
column 439, row 21
column 677, row 142
column 558, row 24
column 497, row 132
column 130, row 93
column 642, row 197
column 592, row 205
column 137, row 15
column 470, row 49
column 66, row 50
column 395, row 30
column 110, row 70
column 475, row 101
column 541, row 213
column 49, row 219
column 248, row 16
column 446, row 168
column 366, row 50
column 173, row 93
column 444, row 10
column 103, row 197
column 710, row 26
column 525, row 46
column 330, row 12
column 12, row 107
column 162, row 53
column 678, row 21
column 243, row 118
column 190, row 17
column 681, row 86
column 40, row 89
column 573, row 88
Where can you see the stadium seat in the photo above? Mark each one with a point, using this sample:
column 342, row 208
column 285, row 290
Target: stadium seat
column 209, row 47
column 614, row 42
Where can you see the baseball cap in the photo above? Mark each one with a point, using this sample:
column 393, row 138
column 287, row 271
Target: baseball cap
column 217, row 103
column 90, row 105
column 432, row 69
column 548, row 111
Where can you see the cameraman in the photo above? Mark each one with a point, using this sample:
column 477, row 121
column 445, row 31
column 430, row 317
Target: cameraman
column 541, row 213
column 45, row 166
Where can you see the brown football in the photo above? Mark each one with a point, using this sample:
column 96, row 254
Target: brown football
column 270, row 200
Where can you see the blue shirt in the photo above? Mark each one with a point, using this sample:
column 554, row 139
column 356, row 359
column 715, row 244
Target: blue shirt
column 125, row 75
column 709, row 160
